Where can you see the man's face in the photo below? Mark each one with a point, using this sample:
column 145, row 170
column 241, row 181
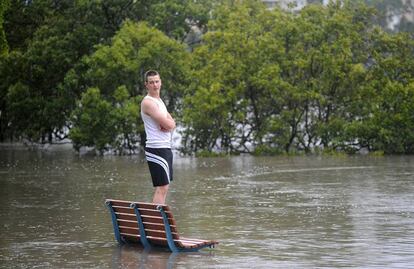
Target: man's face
column 153, row 83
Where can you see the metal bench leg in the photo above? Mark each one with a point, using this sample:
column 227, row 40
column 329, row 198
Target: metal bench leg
column 118, row 236
column 143, row 236
column 170, row 239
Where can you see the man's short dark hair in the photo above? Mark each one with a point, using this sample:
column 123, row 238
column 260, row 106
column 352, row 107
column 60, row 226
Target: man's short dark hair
column 150, row 73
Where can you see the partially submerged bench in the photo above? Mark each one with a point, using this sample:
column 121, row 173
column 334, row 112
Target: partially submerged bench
column 150, row 225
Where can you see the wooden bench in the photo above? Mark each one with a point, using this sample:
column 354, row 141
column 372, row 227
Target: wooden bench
column 150, row 225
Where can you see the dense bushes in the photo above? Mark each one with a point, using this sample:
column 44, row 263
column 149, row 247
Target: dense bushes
column 260, row 81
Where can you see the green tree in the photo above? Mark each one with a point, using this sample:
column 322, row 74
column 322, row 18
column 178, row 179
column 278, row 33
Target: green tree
column 329, row 61
column 277, row 81
column 128, row 126
column 106, row 125
column 50, row 39
column 225, row 106
column 391, row 118
column 133, row 50
column 8, row 65
column 175, row 17
column 23, row 18
column 94, row 123
column 4, row 5
column 20, row 99
column 117, row 71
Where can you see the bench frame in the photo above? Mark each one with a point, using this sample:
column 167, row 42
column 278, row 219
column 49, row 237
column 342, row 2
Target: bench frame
column 143, row 239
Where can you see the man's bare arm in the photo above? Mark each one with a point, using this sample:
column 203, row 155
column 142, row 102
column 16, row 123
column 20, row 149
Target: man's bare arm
column 167, row 123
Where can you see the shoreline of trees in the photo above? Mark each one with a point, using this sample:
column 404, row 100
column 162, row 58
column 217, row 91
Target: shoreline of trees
column 260, row 81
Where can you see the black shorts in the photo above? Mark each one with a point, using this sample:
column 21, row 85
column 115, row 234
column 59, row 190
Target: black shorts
column 160, row 165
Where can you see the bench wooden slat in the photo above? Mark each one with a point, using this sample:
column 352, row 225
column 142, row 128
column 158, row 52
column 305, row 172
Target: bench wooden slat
column 186, row 244
column 129, row 230
column 159, row 233
column 159, row 227
column 153, row 233
column 152, row 212
column 130, row 235
column 149, row 219
column 163, row 241
column 142, row 211
column 128, row 223
column 123, row 209
column 131, row 238
column 122, row 216
column 158, row 241
column 140, row 204
column 145, row 218
column 195, row 241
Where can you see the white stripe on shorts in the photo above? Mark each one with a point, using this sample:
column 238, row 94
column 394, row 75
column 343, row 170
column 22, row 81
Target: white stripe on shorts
column 159, row 160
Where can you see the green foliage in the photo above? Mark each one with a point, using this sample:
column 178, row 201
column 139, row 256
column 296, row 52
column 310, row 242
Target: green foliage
column 4, row 5
column 24, row 110
column 94, row 123
column 128, row 123
column 50, row 40
column 209, row 154
column 387, row 95
column 264, row 150
column 174, row 17
column 227, row 80
column 269, row 81
column 117, row 71
column 377, row 153
column 133, row 50
column 324, row 79
column 104, row 125
column 394, row 119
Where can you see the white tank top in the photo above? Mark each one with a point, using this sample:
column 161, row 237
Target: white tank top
column 155, row 137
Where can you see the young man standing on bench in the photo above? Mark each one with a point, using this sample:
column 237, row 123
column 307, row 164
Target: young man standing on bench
column 159, row 127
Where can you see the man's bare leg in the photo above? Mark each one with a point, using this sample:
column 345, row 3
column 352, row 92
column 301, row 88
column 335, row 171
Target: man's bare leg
column 160, row 194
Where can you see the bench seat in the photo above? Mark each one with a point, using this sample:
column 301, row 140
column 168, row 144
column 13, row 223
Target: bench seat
column 150, row 225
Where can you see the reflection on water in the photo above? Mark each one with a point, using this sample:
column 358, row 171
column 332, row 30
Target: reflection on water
column 135, row 257
column 267, row 212
column 131, row 256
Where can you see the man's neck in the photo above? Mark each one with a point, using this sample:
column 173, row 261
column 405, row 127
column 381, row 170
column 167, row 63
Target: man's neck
column 154, row 95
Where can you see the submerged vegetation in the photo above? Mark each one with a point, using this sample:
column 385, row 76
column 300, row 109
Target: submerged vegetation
column 324, row 79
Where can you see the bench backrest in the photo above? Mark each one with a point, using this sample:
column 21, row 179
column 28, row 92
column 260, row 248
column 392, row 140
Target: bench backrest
column 152, row 219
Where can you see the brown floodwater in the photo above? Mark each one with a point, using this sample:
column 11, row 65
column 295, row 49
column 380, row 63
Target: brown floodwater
column 267, row 212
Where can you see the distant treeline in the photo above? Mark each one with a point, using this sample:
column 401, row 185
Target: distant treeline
column 238, row 77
